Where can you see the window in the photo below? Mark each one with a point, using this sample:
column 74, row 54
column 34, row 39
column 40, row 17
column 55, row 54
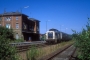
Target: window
column 31, row 28
column 56, row 36
column 8, row 26
column 17, row 25
column 29, row 38
column 7, row 18
column 24, row 26
column 17, row 36
column 50, row 34
column 0, row 18
column 17, row 18
column 37, row 28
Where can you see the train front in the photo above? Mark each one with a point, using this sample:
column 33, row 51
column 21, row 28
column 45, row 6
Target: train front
column 50, row 36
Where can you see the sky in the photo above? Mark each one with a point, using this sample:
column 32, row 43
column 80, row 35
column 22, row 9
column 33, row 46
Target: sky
column 63, row 15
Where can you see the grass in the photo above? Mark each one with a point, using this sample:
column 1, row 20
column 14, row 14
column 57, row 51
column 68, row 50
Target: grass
column 35, row 52
column 53, row 48
column 17, row 41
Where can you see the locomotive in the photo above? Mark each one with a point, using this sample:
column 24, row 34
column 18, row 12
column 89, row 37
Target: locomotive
column 55, row 36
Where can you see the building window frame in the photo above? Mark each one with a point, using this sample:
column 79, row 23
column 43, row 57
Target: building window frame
column 0, row 18
column 24, row 26
column 8, row 18
column 8, row 25
column 17, row 25
column 32, row 28
column 37, row 28
column 17, row 36
column 17, row 18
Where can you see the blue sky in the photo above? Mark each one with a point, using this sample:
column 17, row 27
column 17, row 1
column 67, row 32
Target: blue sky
column 72, row 14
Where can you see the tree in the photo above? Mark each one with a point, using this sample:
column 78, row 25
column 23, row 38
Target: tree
column 7, row 52
column 82, row 41
column 6, row 33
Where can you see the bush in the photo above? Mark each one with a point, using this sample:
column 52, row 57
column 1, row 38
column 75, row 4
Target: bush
column 32, row 53
column 6, row 33
column 7, row 52
column 83, row 42
column 17, row 40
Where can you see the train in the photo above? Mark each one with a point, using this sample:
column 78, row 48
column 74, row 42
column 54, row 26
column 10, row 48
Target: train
column 55, row 36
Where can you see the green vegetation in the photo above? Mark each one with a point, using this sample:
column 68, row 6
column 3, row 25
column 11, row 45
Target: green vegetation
column 32, row 53
column 7, row 52
column 6, row 33
column 43, row 38
column 17, row 40
column 35, row 52
column 9, row 34
column 82, row 41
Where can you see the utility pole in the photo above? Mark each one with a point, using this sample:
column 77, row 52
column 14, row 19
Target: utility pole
column 46, row 24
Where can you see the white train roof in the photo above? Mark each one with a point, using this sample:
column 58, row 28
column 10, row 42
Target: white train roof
column 55, row 30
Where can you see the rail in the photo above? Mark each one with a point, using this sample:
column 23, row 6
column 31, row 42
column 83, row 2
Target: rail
column 23, row 46
column 54, row 54
column 27, row 43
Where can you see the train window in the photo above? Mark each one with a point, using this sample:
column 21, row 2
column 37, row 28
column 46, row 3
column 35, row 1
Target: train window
column 56, row 35
column 50, row 34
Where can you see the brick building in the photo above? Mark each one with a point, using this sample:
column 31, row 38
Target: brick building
column 23, row 27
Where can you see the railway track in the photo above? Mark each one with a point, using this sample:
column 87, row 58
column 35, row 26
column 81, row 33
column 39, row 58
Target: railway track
column 24, row 46
column 64, row 55
column 61, row 54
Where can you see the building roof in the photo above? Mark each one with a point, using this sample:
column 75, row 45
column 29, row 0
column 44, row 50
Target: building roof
column 17, row 13
column 33, row 19
column 12, row 13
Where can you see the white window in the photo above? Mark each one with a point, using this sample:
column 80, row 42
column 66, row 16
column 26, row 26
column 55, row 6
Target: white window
column 17, row 36
column 17, row 18
column 17, row 25
column 7, row 18
column 8, row 26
